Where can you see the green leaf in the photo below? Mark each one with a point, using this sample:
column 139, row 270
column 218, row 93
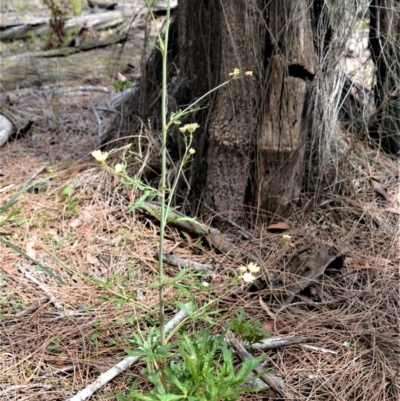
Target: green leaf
column 22, row 253
column 170, row 397
column 15, row 198
column 139, row 202
column 66, row 191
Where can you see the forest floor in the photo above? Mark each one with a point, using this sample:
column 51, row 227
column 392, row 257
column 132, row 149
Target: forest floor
column 58, row 337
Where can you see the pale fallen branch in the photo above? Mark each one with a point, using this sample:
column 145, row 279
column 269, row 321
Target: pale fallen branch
column 276, row 342
column 6, row 127
column 72, row 90
column 323, row 350
column 181, row 263
column 121, row 366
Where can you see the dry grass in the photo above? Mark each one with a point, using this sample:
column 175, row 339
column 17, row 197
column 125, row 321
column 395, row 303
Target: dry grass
column 106, row 258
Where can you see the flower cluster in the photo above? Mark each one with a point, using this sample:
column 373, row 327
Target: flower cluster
column 247, row 272
column 189, row 128
column 235, row 74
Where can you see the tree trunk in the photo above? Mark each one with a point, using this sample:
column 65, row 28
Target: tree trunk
column 385, row 50
column 251, row 149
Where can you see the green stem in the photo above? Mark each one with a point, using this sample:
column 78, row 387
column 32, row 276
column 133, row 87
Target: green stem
column 188, row 109
column 164, row 48
column 177, row 178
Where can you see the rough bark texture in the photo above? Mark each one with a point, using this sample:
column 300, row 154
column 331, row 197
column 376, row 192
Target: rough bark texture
column 385, row 50
column 234, row 119
column 286, row 123
column 255, row 141
column 251, row 148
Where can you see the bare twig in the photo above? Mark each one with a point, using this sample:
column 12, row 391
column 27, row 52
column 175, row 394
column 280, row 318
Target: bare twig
column 276, row 342
column 121, row 366
column 323, row 350
column 181, row 263
column 276, row 383
column 25, row 387
column 32, row 307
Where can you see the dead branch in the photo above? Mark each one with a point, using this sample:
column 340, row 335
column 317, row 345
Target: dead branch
column 276, row 383
column 121, row 366
column 181, row 263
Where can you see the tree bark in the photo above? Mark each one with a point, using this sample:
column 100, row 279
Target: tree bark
column 251, row 149
column 385, row 50
column 286, row 115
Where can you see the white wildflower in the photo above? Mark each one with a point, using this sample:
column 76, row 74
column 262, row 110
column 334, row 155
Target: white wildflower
column 286, row 239
column 100, row 156
column 242, row 269
column 248, row 277
column 253, row 268
column 119, row 168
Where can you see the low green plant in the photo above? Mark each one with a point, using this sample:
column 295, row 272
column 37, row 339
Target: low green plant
column 201, row 369
column 249, row 329
column 54, row 345
column 121, row 85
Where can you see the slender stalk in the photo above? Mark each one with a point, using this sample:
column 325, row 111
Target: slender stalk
column 164, row 212
column 190, row 107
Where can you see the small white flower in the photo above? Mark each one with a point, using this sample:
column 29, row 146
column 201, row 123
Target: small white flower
column 235, row 74
column 192, row 151
column 286, row 239
column 248, row 277
column 189, row 127
column 253, row 268
column 119, row 168
column 205, row 283
column 100, row 156
column 243, row 269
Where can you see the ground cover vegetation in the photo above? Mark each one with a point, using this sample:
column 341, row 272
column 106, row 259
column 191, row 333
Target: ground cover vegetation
column 218, row 223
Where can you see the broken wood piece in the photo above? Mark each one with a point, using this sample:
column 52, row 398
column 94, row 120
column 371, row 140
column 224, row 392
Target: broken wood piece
column 276, row 383
column 182, row 263
column 120, row 366
column 276, row 342
column 303, row 273
column 214, row 236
